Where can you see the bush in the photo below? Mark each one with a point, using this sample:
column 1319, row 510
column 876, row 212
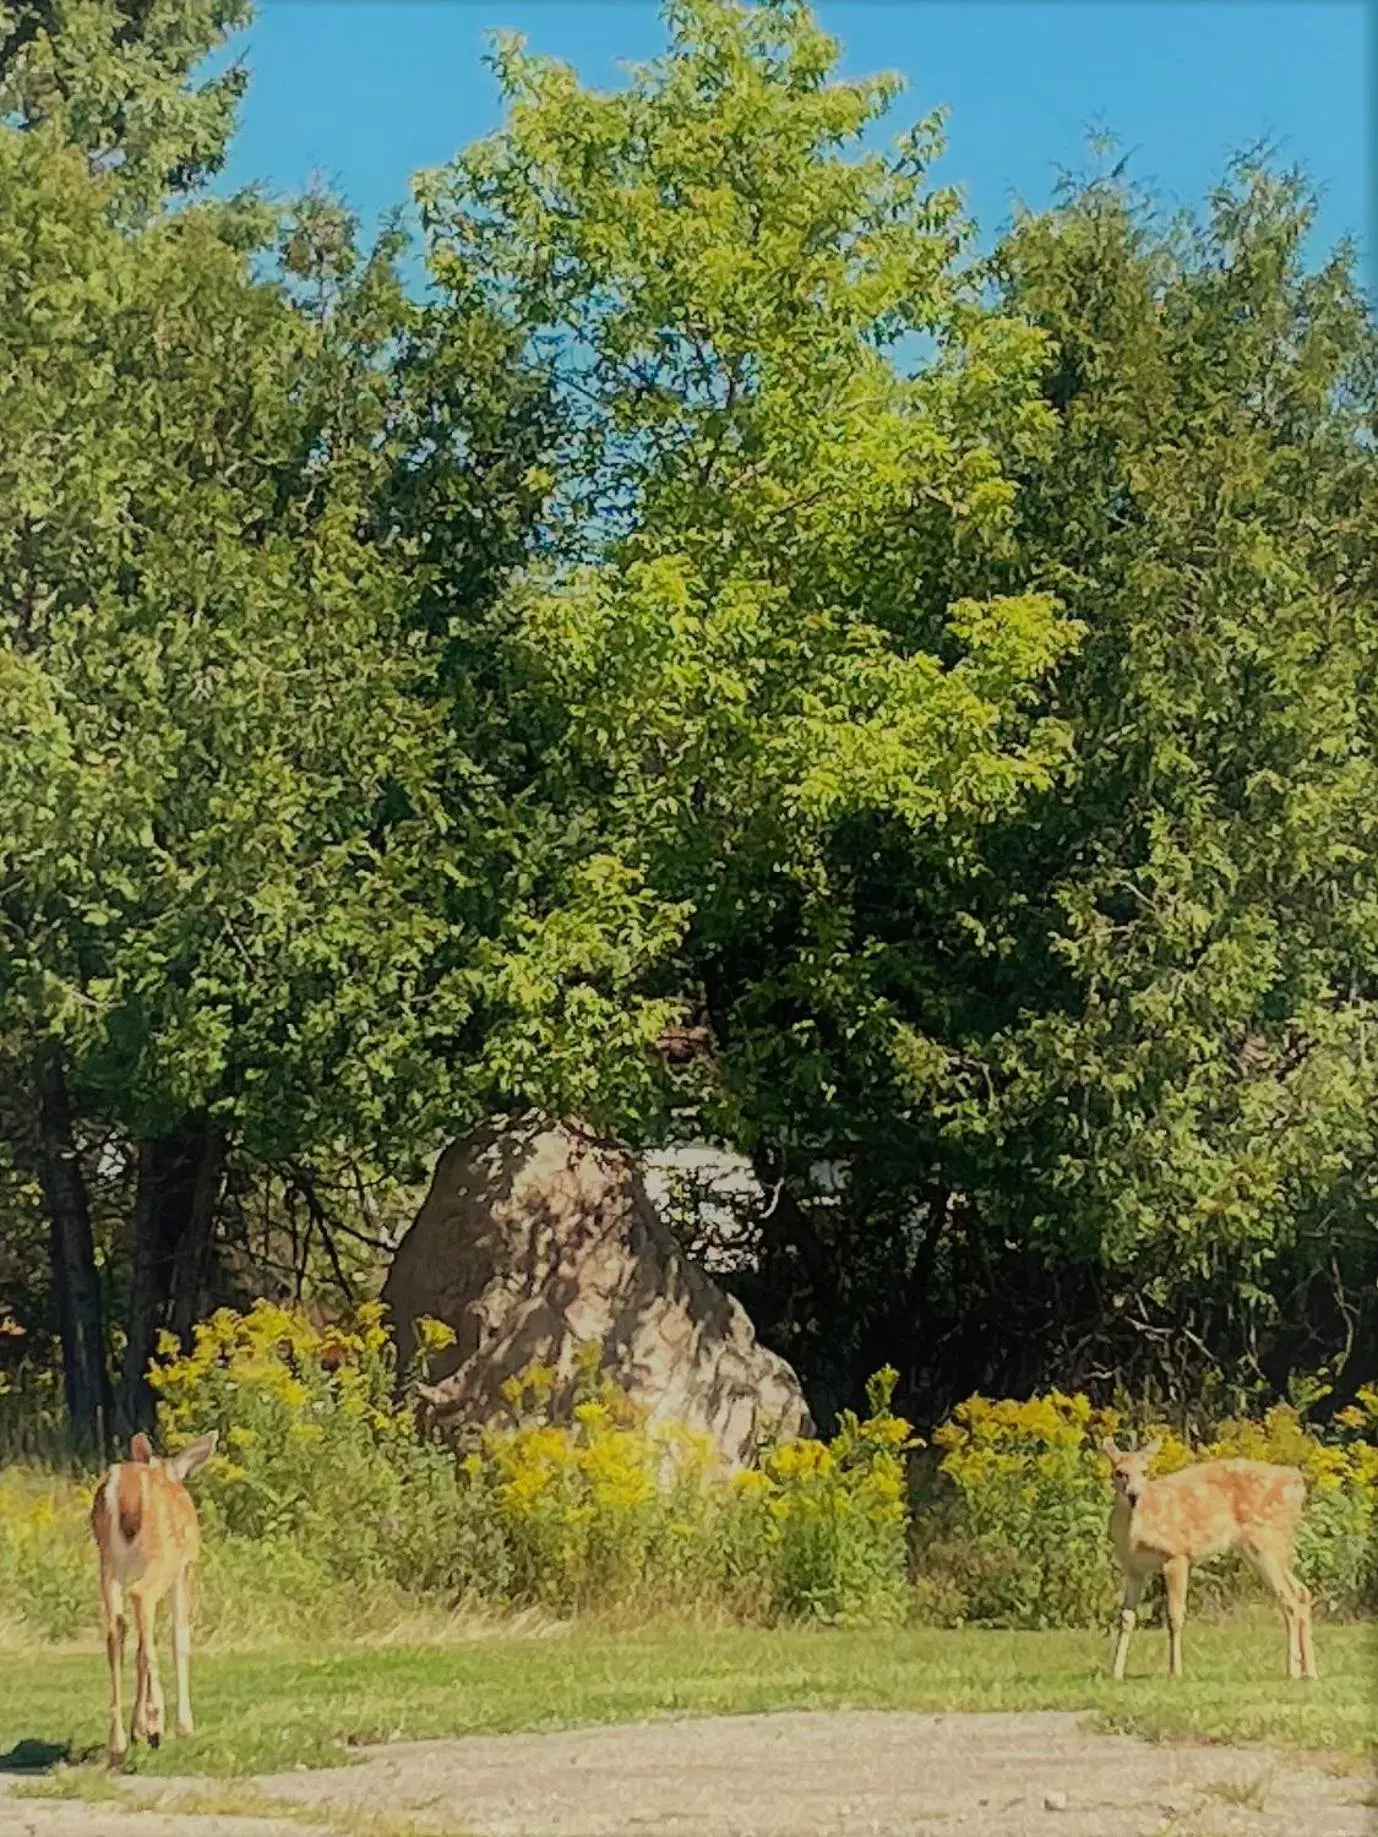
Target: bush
column 1015, row 1532
column 1017, row 1537
column 47, row 1556
column 321, row 1449
column 836, row 1517
column 328, row 1511
column 603, row 1511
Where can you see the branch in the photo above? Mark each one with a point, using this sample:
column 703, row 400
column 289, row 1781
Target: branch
column 321, row 1219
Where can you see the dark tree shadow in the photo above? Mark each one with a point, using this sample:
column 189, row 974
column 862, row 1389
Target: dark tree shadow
column 34, row 1756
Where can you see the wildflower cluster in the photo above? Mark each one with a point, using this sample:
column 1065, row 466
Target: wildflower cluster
column 616, row 1509
column 1016, row 1535
column 331, row 1509
column 322, row 1449
column 836, row 1516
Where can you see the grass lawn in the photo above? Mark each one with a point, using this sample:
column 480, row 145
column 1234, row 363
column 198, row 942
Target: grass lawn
column 268, row 1712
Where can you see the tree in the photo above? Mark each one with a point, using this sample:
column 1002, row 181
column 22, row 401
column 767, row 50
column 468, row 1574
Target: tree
column 115, row 78
column 1100, row 1093
column 727, row 654
column 1180, row 1136
column 210, row 913
column 1037, row 977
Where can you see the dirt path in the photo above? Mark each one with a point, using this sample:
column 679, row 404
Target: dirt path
column 864, row 1773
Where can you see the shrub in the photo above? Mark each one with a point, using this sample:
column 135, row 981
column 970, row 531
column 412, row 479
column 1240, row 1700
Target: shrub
column 330, row 1511
column 1015, row 1532
column 836, row 1521
column 604, row 1510
column 321, row 1449
column 1019, row 1540
column 47, row 1560
column 317, row 1448
column 612, row 1510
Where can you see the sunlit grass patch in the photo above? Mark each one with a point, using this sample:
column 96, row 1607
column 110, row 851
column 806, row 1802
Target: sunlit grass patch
column 271, row 1712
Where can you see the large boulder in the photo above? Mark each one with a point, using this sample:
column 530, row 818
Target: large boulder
column 535, row 1240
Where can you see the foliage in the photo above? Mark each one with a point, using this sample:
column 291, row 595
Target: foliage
column 947, row 684
column 47, row 1572
column 260, row 902
column 328, row 1496
column 33, row 1420
column 839, row 1517
column 191, row 924
column 115, row 78
column 1026, row 1542
column 1169, row 1110
column 724, row 656
column 1018, row 1535
column 606, row 1511
column 223, row 839
column 317, row 1453
column 1091, row 1096
column 991, row 730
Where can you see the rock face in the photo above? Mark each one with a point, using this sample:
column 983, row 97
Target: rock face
column 534, row 1241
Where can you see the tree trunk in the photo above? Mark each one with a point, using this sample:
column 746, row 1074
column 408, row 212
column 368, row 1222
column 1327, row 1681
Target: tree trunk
column 76, row 1283
column 191, row 1260
column 174, row 1212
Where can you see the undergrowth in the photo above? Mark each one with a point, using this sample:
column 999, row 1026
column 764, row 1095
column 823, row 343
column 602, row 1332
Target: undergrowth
column 331, row 1513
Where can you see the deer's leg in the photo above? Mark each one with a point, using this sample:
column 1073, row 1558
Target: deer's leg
column 1133, row 1594
column 148, row 1705
column 138, row 1724
column 1302, row 1595
column 112, row 1612
column 1175, row 1573
column 181, row 1649
column 1301, row 1607
column 1294, row 1598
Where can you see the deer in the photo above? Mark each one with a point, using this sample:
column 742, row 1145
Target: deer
column 148, row 1540
column 1169, row 1523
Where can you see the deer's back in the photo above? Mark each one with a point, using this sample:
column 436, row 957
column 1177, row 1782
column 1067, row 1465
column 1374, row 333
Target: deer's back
column 145, row 1525
column 1213, row 1505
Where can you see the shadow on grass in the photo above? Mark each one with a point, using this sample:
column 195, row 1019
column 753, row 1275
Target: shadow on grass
column 33, row 1756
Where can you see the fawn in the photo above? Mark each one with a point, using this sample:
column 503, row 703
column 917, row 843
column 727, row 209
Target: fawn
column 1171, row 1522
column 148, row 1540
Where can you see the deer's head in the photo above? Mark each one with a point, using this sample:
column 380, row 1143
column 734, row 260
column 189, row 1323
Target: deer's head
column 177, row 1466
column 1129, row 1469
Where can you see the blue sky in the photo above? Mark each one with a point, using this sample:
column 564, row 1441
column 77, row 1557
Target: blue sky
column 367, row 91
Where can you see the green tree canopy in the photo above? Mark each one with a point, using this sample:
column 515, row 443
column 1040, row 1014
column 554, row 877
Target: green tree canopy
column 119, row 79
column 947, row 683
column 728, row 653
column 1184, row 1093
column 1110, row 1109
column 214, row 693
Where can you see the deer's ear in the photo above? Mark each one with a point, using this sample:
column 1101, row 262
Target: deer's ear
column 1152, row 1448
column 184, row 1464
column 140, row 1448
column 1109, row 1450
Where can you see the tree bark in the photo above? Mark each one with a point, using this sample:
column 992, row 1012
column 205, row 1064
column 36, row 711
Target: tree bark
column 191, row 1261
column 76, row 1281
column 174, row 1215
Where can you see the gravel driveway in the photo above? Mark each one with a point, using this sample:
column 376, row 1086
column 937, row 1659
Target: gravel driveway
column 862, row 1773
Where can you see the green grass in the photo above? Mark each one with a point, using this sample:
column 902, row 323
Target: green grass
column 264, row 1713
